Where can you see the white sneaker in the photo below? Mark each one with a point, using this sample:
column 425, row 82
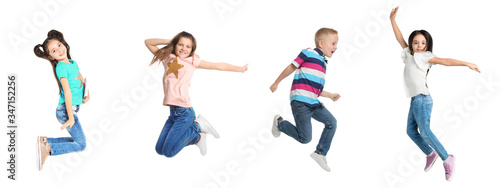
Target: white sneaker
column 321, row 160
column 202, row 144
column 205, row 127
column 276, row 132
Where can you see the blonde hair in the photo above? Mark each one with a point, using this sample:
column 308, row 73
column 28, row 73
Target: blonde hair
column 322, row 33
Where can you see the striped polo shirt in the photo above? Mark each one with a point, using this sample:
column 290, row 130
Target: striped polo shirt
column 309, row 78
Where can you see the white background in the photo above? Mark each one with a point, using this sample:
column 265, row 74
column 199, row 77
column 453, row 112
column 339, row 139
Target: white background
column 370, row 149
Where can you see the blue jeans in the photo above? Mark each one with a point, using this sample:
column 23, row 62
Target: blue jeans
column 74, row 143
column 179, row 131
column 303, row 131
column 419, row 118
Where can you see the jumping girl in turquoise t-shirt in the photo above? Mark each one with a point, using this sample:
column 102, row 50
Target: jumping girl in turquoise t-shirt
column 56, row 50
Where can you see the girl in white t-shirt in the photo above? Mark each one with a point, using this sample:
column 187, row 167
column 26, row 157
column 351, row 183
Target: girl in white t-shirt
column 418, row 59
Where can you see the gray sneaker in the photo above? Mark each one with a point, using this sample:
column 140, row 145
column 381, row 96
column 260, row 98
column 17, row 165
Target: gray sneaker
column 205, row 127
column 276, row 132
column 321, row 160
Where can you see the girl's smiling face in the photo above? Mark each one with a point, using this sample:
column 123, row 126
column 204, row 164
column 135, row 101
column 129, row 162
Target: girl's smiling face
column 419, row 44
column 57, row 50
column 184, row 47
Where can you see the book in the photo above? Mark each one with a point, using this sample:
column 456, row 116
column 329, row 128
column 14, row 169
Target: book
column 85, row 88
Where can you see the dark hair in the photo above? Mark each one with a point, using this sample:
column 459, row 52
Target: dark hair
column 427, row 37
column 164, row 52
column 41, row 51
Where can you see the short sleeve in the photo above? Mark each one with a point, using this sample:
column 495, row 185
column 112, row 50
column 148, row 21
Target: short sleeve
column 300, row 58
column 61, row 71
column 76, row 65
column 422, row 60
column 196, row 60
column 405, row 53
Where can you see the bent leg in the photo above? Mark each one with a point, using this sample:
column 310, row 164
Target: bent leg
column 302, row 115
column 423, row 118
column 324, row 116
column 184, row 132
column 76, row 143
column 163, row 135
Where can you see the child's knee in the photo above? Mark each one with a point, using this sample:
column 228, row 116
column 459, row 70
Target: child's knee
column 158, row 150
column 411, row 132
column 83, row 145
column 334, row 122
column 331, row 125
column 425, row 133
column 305, row 140
column 169, row 153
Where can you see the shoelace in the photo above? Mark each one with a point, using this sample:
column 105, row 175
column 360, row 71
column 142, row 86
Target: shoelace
column 324, row 159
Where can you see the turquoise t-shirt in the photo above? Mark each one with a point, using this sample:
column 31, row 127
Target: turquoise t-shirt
column 70, row 72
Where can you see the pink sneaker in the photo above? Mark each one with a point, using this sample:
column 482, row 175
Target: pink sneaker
column 449, row 168
column 430, row 161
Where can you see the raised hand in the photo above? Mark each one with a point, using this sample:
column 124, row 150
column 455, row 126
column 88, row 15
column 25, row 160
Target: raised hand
column 393, row 13
column 397, row 32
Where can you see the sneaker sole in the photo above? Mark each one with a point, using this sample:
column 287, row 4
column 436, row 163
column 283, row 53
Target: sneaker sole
column 432, row 164
column 213, row 132
column 453, row 172
column 274, row 129
column 38, row 154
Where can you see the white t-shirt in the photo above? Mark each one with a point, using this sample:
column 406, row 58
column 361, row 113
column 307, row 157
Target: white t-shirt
column 415, row 72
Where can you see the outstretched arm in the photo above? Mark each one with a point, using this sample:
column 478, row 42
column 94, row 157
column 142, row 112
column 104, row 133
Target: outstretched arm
column 222, row 66
column 288, row 70
column 153, row 43
column 453, row 62
column 395, row 27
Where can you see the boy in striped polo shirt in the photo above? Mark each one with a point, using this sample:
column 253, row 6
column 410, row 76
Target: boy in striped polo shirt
column 308, row 83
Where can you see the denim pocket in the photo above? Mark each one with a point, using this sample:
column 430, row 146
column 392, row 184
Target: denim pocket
column 298, row 106
column 61, row 114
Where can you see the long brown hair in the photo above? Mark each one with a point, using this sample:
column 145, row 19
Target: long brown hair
column 164, row 52
column 41, row 51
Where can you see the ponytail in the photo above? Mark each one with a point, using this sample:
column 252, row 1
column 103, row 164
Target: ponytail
column 41, row 51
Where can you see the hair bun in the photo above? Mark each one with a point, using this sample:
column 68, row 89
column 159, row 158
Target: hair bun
column 54, row 34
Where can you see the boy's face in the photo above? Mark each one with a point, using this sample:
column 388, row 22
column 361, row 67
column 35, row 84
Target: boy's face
column 329, row 44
